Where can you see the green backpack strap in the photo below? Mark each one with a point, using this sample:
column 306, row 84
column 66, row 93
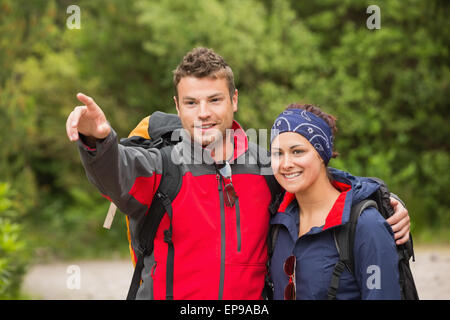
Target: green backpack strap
column 344, row 238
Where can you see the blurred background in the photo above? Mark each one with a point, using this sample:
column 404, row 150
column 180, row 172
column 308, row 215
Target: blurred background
column 389, row 88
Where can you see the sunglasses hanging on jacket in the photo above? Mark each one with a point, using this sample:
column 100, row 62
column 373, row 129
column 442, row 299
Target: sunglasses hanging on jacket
column 224, row 169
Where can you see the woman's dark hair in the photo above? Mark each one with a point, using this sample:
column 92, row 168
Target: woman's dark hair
column 328, row 118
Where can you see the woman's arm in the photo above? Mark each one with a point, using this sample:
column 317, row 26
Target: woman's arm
column 376, row 259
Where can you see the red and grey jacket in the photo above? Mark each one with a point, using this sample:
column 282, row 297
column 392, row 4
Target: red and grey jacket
column 220, row 251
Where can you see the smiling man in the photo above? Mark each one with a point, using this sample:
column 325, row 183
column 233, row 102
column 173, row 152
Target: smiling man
column 220, row 247
column 206, row 110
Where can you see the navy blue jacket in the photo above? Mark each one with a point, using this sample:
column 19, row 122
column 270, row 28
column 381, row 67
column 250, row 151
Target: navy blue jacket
column 376, row 259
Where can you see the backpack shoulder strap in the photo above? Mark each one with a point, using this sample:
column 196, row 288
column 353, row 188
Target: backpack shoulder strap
column 344, row 238
column 168, row 188
column 162, row 202
column 276, row 192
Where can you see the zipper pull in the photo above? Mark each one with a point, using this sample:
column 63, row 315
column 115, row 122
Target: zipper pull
column 219, row 182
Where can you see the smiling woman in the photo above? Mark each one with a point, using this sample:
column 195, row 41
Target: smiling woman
column 315, row 204
column 329, row 119
column 295, row 149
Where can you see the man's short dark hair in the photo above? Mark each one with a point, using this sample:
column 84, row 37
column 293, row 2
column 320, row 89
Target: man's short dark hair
column 204, row 63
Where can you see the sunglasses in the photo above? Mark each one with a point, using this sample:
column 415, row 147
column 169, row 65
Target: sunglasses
column 230, row 194
column 289, row 269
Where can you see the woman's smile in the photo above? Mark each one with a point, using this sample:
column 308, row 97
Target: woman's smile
column 292, row 175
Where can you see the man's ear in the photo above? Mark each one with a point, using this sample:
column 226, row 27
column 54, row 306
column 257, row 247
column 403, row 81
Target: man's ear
column 176, row 104
column 234, row 100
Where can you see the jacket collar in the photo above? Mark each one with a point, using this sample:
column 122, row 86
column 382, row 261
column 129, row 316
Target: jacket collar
column 240, row 140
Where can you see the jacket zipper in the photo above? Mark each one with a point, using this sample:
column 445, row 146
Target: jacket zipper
column 238, row 225
column 222, row 237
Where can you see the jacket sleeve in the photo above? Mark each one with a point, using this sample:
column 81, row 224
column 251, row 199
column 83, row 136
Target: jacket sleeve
column 127, row 176
column 376, row 258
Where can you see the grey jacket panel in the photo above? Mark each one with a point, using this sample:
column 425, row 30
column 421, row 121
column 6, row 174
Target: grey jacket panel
column 145, row 291
column 113, row 169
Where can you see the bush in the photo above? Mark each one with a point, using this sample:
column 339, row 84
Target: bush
column 13, row 249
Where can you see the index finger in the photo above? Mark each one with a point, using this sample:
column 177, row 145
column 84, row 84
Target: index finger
column 88, row 101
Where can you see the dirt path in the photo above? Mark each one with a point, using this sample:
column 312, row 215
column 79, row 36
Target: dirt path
column 109, row 280
column 98, row 280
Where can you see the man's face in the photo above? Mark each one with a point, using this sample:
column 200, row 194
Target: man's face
column 205, row 108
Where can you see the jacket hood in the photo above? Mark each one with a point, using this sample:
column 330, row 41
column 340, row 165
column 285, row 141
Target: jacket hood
column 353, row 190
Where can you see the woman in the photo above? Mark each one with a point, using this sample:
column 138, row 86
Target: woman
column 317, row 201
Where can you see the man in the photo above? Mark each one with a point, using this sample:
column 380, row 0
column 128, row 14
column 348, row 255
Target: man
column 220, row 246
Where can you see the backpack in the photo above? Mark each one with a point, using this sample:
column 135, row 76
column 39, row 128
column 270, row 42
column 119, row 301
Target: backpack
column 344, row 237
column 158, row 131
column 155, row 131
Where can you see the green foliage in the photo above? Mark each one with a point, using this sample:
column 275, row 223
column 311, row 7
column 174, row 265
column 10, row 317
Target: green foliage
column 13, row 250
column 388, row 87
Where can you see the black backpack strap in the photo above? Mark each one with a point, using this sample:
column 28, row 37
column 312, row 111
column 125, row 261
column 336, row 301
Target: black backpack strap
column 136, row 279
column 162, row 202
column 170, row 249
column 277, row 193
column 271, row 241
column 406, row 251
column 344, row 237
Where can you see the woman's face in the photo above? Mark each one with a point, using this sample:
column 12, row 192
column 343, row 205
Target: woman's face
column 295, row 162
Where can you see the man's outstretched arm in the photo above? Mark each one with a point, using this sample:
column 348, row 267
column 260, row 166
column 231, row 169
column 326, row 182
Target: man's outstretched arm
column 128, row 176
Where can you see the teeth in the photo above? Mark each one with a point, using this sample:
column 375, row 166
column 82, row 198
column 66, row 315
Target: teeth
column 206, row 127
column 292, row 175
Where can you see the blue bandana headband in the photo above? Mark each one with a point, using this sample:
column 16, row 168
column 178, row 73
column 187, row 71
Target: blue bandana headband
column 310, row 126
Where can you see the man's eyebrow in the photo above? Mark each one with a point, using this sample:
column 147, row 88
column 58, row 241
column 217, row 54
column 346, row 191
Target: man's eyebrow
column 188, row 98
column 216, row 95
